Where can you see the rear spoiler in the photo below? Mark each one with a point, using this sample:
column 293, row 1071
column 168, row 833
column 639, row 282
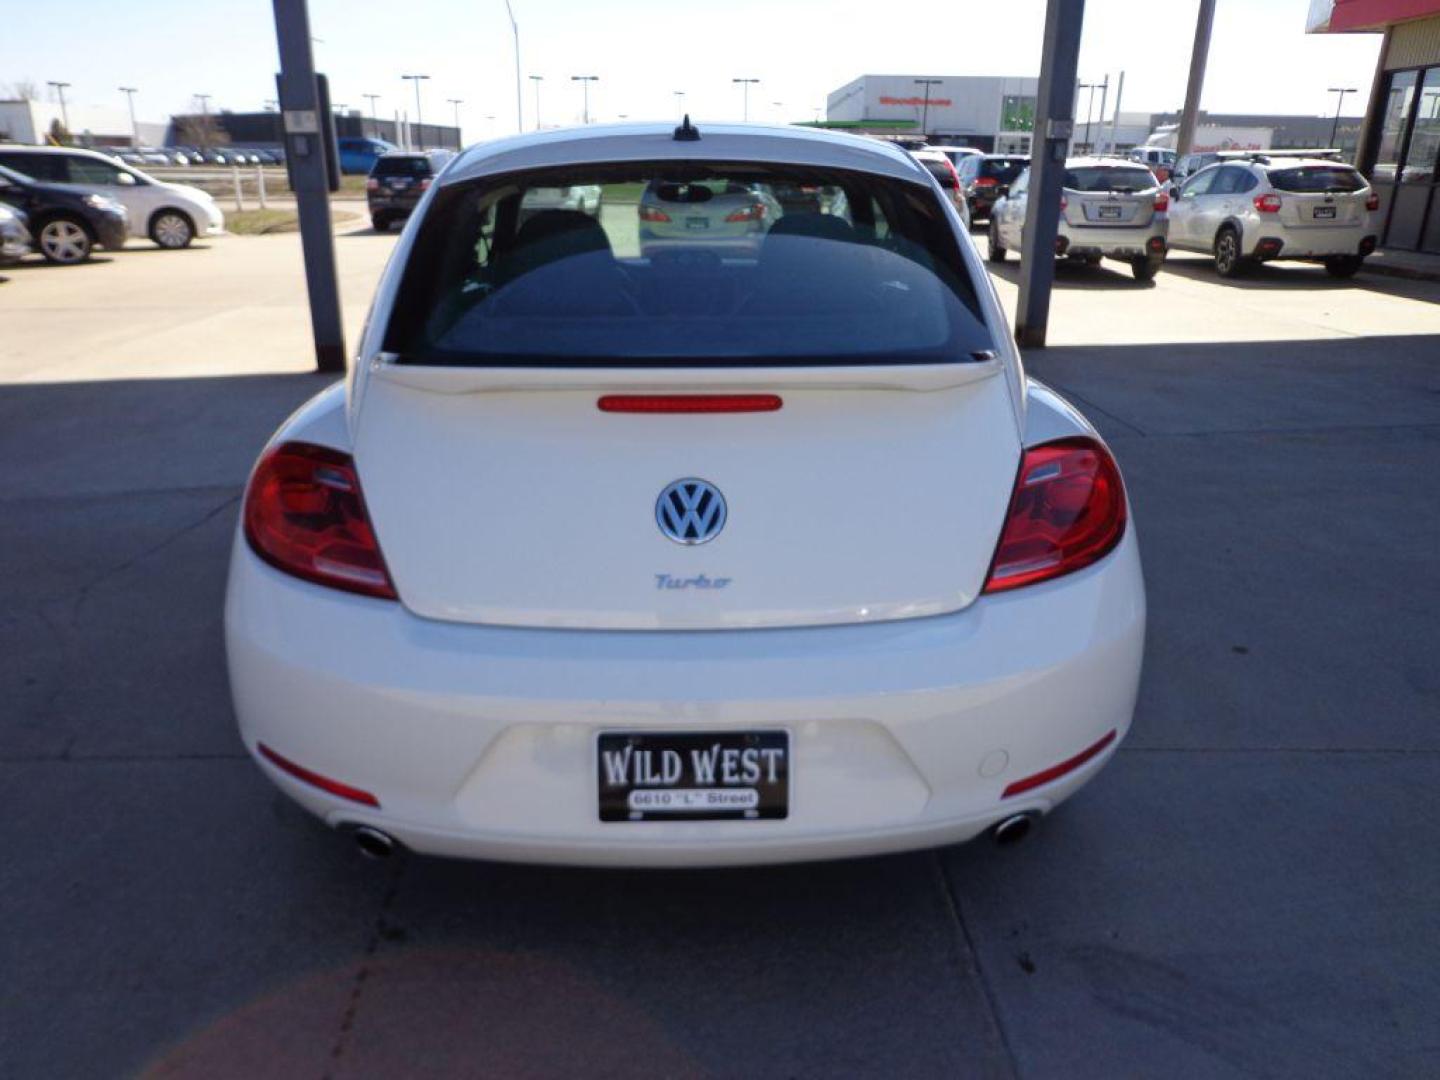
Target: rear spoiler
column 922, row 378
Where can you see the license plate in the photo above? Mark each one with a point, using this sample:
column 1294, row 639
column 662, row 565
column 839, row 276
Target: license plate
column 1324, row 211
column 1110, row 212
column 693, row 776
column 697, row 223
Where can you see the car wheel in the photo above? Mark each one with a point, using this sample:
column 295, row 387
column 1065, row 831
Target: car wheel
column 1343, row 266
column 1145, row 267
column 997, row 249
column 380, row 223
column 172, row 230
column 1228, row 261
column 64, row 240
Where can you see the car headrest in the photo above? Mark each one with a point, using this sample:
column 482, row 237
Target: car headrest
column 820, row 226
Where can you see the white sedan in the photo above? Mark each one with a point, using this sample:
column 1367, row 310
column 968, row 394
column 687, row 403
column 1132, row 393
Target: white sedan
column 691, row 556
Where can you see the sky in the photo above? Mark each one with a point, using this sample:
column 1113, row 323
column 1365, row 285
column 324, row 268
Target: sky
column 643, row 50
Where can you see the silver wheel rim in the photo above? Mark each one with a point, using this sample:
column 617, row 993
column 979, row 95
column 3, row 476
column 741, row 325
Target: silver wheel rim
column 172, row 231
column 64, row 241
column 1225, row 252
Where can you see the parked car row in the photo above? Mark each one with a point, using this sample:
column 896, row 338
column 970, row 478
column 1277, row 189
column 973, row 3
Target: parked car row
column 76, row 200
column 1242, row 209
column 194, row 155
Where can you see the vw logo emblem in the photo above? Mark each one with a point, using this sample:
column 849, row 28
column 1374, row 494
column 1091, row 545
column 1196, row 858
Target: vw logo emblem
column 690, row 511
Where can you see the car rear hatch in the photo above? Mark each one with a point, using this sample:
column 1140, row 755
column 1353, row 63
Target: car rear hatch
column 865, row 446
column 1320, row 196
column 1109, row 196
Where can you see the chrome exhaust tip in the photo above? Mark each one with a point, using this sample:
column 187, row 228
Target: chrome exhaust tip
column 1014, row 829
column 373, row 843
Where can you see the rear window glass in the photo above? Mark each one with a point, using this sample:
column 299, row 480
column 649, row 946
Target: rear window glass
column 1109, row 178
column 941, row 171
column 401, row 166
column 687, row 264
column 1316, row 178
column 1003, row 170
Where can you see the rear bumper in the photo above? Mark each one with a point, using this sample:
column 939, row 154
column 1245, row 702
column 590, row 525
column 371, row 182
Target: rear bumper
column 1116, row 242
column 479, row 741
column 401, row 203
column 1311, row 243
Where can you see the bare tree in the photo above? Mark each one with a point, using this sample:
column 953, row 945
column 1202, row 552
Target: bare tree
column 23, row 90
column 200, row 130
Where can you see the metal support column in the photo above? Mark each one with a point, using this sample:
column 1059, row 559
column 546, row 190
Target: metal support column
column 305, row 155
column 1054, row 126
column 1204, row 20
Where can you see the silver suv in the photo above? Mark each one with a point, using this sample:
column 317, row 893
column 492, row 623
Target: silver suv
column 1109, row 209
column 1266, row 206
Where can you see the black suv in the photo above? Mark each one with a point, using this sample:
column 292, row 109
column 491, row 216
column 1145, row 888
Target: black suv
column 397, row 181
column 65, row 223
column 986, row 177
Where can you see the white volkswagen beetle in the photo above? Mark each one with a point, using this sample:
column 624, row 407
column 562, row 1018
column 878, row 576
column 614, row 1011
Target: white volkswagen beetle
column 694, row 556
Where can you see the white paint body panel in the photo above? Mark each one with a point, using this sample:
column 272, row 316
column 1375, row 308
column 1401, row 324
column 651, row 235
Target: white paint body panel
column 479, row 739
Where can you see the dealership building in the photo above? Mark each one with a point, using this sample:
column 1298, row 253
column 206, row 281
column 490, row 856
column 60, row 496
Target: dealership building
column 989, row 112
column 1400, row 138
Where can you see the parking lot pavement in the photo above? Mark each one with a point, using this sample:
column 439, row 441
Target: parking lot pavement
column 1189, row 303
column 226, row 306
column 1246, row 890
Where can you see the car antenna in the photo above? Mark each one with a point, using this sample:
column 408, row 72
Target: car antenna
column 687, row 132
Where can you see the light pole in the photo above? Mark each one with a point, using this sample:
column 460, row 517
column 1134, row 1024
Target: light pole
column 419, row 121
column 515, row 30
column 745, row 90
column 374, row 123
column 679, row 102
column 1335, row 127
column 130, row 92
column 64, row 112
column 925, row 110
column 585, row 81
column 1089, row 103
column 204, row 100
column 537, row 80
column 457, row 102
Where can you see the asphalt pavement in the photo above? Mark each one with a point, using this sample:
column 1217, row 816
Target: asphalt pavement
column 1247, row 890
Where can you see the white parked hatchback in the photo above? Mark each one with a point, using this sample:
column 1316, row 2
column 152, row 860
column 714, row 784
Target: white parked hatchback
column 172, row 215
column 1253, row 208
column 688, row 556
column 1109, row 208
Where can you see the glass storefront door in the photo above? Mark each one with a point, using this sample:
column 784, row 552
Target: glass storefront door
column 1404, row 174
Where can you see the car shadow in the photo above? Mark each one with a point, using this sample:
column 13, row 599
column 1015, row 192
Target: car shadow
column 1283, row 274
column 39, row 262
column 145, row 246
column 1076, row 275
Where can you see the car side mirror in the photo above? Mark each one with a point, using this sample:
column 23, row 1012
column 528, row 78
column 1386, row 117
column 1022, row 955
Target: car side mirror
column 1175, row 193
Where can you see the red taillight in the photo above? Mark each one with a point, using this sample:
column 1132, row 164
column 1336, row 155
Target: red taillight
column 314, row 779
column 753, row 212
column 305, row 515
column 1267, row 204
column 371, row 184
column 424, row 183
column 1162, row 202
column 689, row 403
column 651, row 213
column 1039, row 779
column 1373, row 202
column 986, row 181
column 1064, row 202
column 1067, row 511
